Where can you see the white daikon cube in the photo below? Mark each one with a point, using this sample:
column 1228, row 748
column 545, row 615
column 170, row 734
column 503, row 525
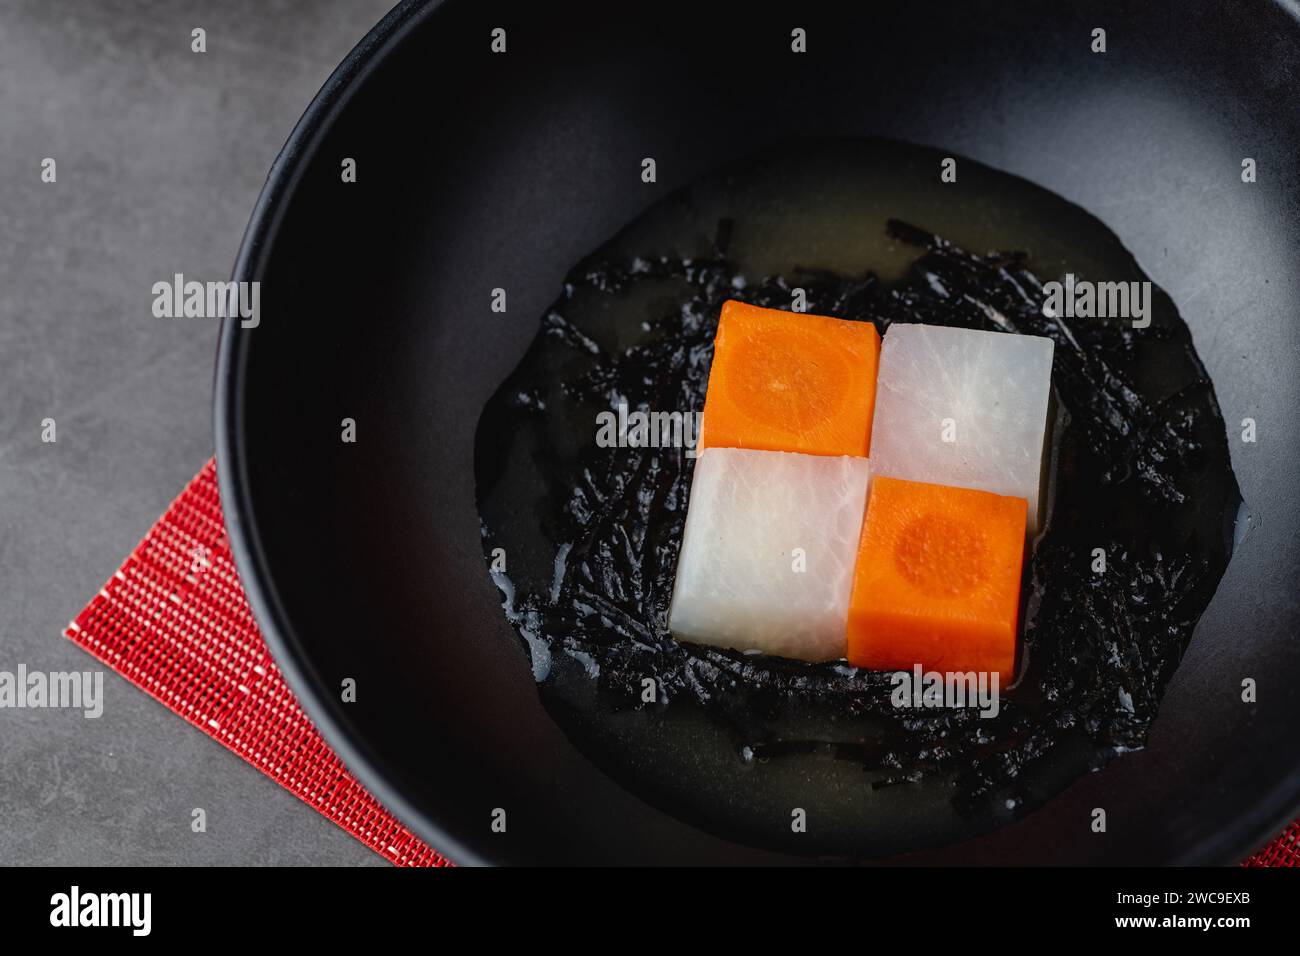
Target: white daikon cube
column 768, row 553
column 964, row 407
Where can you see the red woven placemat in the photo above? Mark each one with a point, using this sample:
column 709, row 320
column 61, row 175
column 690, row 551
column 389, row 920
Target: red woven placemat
column 1283, row 851
column 173, row 621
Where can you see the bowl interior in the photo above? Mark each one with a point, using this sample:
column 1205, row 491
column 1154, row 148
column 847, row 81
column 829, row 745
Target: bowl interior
column 478, row 171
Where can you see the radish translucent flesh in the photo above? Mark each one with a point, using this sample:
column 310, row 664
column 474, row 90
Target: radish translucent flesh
column 768, row 553
column 964, row 407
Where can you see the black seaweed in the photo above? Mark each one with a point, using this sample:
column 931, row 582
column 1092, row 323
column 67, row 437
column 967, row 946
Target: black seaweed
column 1141, row 473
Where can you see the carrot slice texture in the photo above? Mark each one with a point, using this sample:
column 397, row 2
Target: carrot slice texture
column 789, row 381
column 937, row 581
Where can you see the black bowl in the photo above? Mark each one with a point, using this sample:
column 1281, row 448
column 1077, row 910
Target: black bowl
column 477, row 170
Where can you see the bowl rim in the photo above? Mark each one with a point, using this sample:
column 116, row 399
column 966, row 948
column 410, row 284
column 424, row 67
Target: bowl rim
column 229, row 392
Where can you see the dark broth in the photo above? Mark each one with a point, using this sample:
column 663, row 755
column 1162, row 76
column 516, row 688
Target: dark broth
column 735, row 742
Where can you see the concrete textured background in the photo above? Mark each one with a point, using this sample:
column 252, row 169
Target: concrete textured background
column 161, row 153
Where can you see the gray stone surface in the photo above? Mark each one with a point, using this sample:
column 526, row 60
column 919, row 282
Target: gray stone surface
column 161, row 153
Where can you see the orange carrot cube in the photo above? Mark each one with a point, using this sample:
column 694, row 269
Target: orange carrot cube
column 789, row 381
column 937, row 581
